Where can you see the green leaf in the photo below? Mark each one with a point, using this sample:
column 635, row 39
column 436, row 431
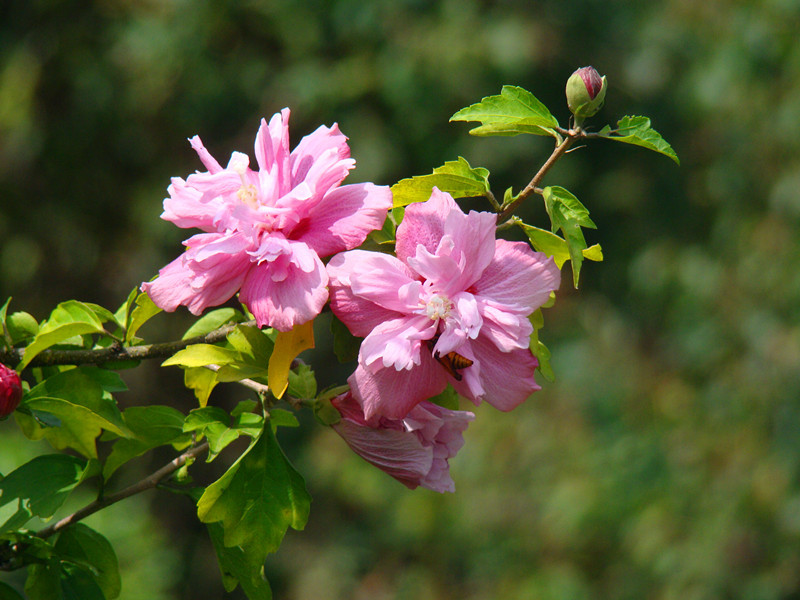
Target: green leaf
column 513, row 112
column 257, row 499
column 302, row 383
column 216, row 425
column 81, row 405
column 105, row 315
column 594, row 253
column 547, row 242
column 61, row 581
column 569, row 215
column 455, row 177
column 67, row 320
column 238, row 567
column 448, row 398
column 9, row 593
column 279, row 417
column 151, row 426
column 201, row 381
column 144, row 310
column 123, row 312
column 21, row 326
column 538, row 349
column 39, row 488
column 636, row 130
column 84, row 546
column 255, row 345
column 200, row 355
column 211, row 321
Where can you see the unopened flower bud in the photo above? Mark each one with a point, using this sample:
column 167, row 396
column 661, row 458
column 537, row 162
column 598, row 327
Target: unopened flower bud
column 586, row 92
column 10, row 391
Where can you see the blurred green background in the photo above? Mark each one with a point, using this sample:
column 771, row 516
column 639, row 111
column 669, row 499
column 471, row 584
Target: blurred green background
column 663, row 463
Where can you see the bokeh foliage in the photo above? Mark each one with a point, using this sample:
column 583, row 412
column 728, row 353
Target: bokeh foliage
column 664, row 462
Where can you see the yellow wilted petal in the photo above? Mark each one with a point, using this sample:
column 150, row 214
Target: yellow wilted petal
column 288, row 344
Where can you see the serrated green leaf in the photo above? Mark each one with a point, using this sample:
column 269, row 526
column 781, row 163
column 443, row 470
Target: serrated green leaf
column 151, row 426
column 279, row 417
column 513, row 112
column 218, row 428
column 238, row 568
column 39, row 488
column 455, row 177
column 211, row 321
column 302, row 383
column 84, row 546
column 257, row 499
column 144, row 310
column 569, row 215
column 636, row 130
column 68, row 319
column 82, row 407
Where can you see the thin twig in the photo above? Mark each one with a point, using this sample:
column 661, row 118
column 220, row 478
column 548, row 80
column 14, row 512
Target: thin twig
column 114, row 353
column 147, row 483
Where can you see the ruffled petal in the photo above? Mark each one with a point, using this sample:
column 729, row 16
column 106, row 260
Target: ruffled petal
column 344, row 218
column 186, row 208
column 283, row 293
column 205, row 275
column 518, row 277
column 272, row 155
column 506, row 378
column 322, row 158
column 423, row 223
column 396, row 343
column 205, row 156
column 386, row 392
column 473, row 238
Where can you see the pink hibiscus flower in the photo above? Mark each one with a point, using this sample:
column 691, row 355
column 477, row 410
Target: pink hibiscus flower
column 452, row 308
column 266, row 230
column 414, row 450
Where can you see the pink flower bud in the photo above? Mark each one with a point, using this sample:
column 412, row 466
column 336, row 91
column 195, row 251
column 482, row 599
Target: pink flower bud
column 586, row 92
column 10, row 391
column 414, row 450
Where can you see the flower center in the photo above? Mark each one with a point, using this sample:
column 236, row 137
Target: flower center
column 249, row 195
column 438, row 307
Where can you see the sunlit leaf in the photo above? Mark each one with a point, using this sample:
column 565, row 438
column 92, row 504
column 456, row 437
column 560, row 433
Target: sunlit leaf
column 636, row 130
column 211, row 321
column 288, row 345
column 200, row 380
column 569, row 215
column 513, row 112
column 144, row 310
column 456, row 177
column 547, row 242
column 257, row 499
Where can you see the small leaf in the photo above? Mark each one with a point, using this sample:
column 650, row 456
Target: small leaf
column 151, row 426
column 455, row 177
column 84, row 546
column 67, row 320
column 39, row 487
column 636, row 130
column 144, row 310
column 302, row 383
column 547, row 242
column 569, row 215
column 594, row 253
column 514, row 111
column 202, row 381
column 211, row 321
column 21, row 326
column 201, row 355
column 257, row 499
column 288, row 345
column 282, row 418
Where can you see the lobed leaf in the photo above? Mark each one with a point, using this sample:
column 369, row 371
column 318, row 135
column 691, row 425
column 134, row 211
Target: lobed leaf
column 257, row 500
column 569, row 215
column 636, row 130
column 513, row 112
column 455, row 177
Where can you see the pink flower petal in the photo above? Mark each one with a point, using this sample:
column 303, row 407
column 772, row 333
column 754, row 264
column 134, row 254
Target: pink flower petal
column 272, row 152
column 344, row 218
column 396, row 343
column 473, row 236
column 205, row 156
column 507, row 378
column 518, row 277
column 196, row 282
column 293, row 297
column 324, row 141
column 392, row 394
column 186, row 208
column 423, row 223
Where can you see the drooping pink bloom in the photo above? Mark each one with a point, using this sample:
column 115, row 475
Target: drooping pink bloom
column 414, row 450
column 453, row 288
column 265, row 230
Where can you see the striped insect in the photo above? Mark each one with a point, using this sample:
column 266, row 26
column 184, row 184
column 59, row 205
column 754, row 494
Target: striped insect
column 452, row 362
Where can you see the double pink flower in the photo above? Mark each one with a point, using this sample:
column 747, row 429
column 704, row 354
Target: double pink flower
column 265, row 230
column 453, row 308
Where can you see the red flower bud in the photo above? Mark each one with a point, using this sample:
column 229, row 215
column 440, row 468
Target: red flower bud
column 10, row 391
column 586, row 91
